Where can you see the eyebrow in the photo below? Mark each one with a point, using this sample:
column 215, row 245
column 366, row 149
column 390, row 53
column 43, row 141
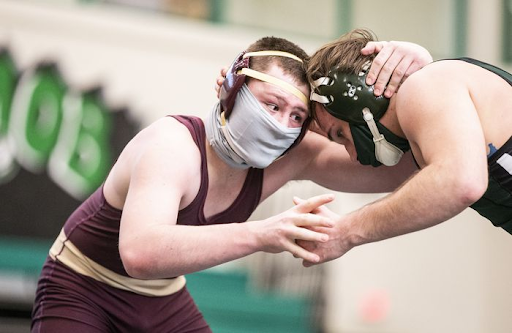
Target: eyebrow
column 297, row 108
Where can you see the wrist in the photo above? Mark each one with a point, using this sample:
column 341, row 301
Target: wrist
column 356, row 233
column 250, row 237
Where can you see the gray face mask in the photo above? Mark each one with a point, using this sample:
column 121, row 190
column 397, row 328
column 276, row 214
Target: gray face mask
column 251, row 137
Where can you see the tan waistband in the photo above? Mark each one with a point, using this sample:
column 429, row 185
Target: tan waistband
column 65, row 252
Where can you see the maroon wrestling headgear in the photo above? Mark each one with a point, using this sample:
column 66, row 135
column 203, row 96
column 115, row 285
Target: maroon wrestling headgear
column 235, row 78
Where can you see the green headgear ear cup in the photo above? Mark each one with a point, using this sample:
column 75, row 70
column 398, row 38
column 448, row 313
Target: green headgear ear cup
column 345, row 95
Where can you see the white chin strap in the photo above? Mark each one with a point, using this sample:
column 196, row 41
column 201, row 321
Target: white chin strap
column 385, row 152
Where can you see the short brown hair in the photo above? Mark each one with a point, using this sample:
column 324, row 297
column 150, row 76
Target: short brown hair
column 289, row 66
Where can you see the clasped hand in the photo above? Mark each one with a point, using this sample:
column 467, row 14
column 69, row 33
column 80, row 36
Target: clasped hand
column 309, row 231
column 302, row 222
column 337, row 243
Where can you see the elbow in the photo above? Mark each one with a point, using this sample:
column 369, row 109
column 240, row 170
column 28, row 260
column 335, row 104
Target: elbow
column 135, row 262
column 471, row 190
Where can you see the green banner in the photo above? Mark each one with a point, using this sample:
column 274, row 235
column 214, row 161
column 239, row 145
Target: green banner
column 57, row 145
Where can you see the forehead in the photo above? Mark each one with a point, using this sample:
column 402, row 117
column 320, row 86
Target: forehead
column 277, row 72
column 283, row 86
column 324, row 118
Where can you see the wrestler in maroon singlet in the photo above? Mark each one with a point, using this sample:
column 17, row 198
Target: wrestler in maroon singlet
column 67, row 301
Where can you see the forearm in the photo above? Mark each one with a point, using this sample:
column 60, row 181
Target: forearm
column 367, row 179
column 161, row 250
column 428, row 198
column 328, row 164
column 164, row 251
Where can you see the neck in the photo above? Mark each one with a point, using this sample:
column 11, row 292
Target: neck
column 217, row 168
column 390, row 119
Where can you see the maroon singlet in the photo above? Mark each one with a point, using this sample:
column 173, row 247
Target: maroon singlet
column 69, row 301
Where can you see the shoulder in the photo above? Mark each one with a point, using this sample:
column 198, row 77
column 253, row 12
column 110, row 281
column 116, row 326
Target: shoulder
column 423, row 77
column 166, row 133
column 166, row 127
column 165, row 146
column 432, row 102
column 434, row 86
column 436, row 75
column 154, row 156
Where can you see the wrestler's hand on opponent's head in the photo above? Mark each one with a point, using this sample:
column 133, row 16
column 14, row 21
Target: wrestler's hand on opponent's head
column 394, row 62
column 220, row 80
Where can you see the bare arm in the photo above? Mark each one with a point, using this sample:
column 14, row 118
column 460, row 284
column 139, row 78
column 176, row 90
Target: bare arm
column 152, row 245
column 447, row 135
column 329, row 165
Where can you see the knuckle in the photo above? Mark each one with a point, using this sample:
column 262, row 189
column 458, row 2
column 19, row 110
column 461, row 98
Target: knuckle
column 286, row 219
column 388, row 67
column 400, row 72
column 378, row 61
column 280, row 234
column 392, row 43
column 392, row 84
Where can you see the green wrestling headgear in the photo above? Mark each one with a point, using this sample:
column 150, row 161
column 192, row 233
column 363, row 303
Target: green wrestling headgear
column 346, row 96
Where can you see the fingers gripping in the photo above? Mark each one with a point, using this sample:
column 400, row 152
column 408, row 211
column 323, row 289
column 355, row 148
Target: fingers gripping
column 401, row 72
column 374, row 74
column 301, row 243
column 309, row 205
column 303, row 234
column 303, row 226
column 220, row 80
column 373, row 47
column 309, row 247
column 389, row 69
column 299, row 252
column 317, row 215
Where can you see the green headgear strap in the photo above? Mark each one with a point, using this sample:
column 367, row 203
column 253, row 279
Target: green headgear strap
column 345, row 96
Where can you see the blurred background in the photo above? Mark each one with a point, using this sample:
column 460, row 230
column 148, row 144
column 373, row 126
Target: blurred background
column 78, row 78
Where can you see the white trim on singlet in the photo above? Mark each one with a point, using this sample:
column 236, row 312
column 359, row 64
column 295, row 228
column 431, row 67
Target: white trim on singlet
column 64, row 251
column 505, row 161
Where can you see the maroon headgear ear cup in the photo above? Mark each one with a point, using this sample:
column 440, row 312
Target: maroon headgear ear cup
column 232, row 83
